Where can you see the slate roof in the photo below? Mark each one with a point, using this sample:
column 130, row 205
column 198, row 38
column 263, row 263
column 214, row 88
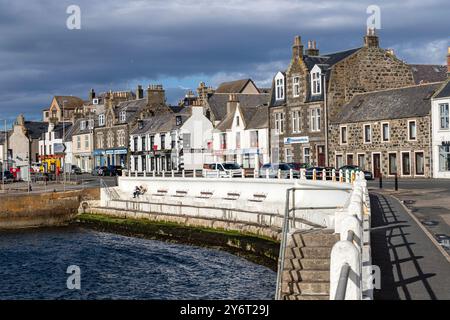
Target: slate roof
column 132, row 108
column 444, row 91
column 413, row 101
column 428, row 73
column 255, row 117
column 159, row 123
column 218, row 102
column 236, row 86
column 36, row 128
column 71, row 102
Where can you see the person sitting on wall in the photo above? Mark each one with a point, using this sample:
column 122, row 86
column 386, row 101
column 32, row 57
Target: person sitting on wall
column 143, row 190
column 136, row 192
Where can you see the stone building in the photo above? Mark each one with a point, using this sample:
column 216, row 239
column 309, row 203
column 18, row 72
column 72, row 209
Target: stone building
column 62, row 108
column 386, row 132
column 117, row 117
column 314, row 89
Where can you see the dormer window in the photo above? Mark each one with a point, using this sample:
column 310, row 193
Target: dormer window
column 122, row 116
column 101, row 119
column 296, row 86
column 316, row 81
column 237, row 121
column 279, row 86
column 83, row 125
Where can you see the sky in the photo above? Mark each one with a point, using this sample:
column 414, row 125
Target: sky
column 179, row 43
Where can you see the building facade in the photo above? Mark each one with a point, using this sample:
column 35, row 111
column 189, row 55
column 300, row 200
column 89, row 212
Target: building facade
column 386, row 132
column 314, row 89
column 52, row 149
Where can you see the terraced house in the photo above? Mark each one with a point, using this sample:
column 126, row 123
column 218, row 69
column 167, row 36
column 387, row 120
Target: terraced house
column 314, row 89
column 387, row 132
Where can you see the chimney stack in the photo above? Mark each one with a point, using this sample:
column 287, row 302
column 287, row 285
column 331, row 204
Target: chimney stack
column 448, row 62
column 312, row 49
column 156, row 94
column 297, row 48
column 91, row 95
column 232, row 103
column 371, row 39
column 139, row 92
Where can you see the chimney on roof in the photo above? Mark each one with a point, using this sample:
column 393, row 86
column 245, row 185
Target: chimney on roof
column 371, row 39
column 91, row 95
column 139, row 92
column 312, row 49
column 156, row 94
column 232, row 103
column 448, row 62
column 297, row 48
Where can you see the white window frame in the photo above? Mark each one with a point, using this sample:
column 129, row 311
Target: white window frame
column 415, row 173
column 440, row 105
column 309, row 155
column 315, row 118
column 401, row 164
column 382, row 132
column 316, row 81
column 82, row 125
column 286, row 155
column 389, row 163
column 101, row 119
column 296, row 86
column 279, row 86
column 279, row 122
column 364, row 133
column 357, row 160
column 336, row 155
column 346, row 158
column 346, row 134
column 122, row 116
column 296, row 121
column 409, row 129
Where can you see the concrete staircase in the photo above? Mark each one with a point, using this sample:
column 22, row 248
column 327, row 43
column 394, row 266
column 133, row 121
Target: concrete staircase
column 306, row 271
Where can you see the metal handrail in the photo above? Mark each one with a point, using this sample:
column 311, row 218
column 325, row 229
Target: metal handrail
column 111, row 195
column 344, row 275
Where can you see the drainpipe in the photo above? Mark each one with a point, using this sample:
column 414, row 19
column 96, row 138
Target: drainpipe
column 325, row 106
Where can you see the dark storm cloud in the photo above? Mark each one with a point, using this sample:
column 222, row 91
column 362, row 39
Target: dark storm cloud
column 179, row 43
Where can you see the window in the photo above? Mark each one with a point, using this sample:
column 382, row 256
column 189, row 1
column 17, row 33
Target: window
column 100, row 141
column 367, row 133
column 339, row 161
column 121, row 138
column 223, row 140
column 254, row 139
column 279, row 88
column 296, row 121
column 163, row 142
column 385, row 133
column 86, row 142
column 172, row 141
column 143, row 141
column 78, row 142
column 362, row 161
column 238, row 140
column 186, row 140
column 289, row 156
column 144, row 163
column 316, row 86
column 122, row 116
column 82, row 125
column 444, row 116
column 136, row 163
column 315, row 119
column 101, row 119
column 296, row 87
column 349, row 159
column 152, row 142
column 343, row 135
column 444, row 158
column 406, row 164
column 306, row 155
column 412, row 133
column 419, row 163
column 392, row 164
column 135, row 144
column 110, row 139
column 237, row 121
column 91, row 124
column 279, row 122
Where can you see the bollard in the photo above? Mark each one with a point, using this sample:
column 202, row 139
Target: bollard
column 333, row 175
column 194, row 173
column 396, row 182
column 279, row 173
column 352, row 176
column 255, row 174
column 182, row 173
column 291, row 174
column 145, row 174
column 303, row 174
column 267, row 173
column 163, row 173
column 324, row 174
column 173, row 174
column 314, row 174
column 154, row 173
column 243, row 173
column 380, row 181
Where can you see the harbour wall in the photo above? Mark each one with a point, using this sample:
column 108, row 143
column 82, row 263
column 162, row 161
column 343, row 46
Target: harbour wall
column 42, row 209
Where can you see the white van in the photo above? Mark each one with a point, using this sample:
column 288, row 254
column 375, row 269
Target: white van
column 222, row 170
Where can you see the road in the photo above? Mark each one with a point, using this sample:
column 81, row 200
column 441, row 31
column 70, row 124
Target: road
column 412, row 266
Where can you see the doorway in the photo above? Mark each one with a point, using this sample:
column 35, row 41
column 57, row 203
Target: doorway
column 321, row 156
column 376, row 165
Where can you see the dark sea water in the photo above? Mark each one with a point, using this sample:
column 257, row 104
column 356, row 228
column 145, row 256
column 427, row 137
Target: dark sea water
column 33, row 265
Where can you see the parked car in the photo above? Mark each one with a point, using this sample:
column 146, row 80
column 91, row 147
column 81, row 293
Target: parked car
column 75, row 170
column 223, row 170
column 271, row 169
column 367, row 174
column 8, row 177
column 298, row 165
column 115, row 170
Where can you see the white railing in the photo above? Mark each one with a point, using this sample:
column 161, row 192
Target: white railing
column 348, row 279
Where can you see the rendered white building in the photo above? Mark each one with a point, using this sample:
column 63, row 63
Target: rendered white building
column 440, row 115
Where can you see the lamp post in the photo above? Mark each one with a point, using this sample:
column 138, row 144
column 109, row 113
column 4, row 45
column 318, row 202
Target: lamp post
column 4, row 156
column 63, row 136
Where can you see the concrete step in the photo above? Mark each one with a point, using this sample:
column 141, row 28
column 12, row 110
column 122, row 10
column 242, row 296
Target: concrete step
column 315, row 264
column 306, row 275
column 306, row 297
column 316, row 239
column 316, row 252
column 293, row 252
column 310, row 288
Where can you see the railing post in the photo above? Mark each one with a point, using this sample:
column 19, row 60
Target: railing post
column 217, row 173
column 243, row 173
column 255, row 174
column 347, row 177
column 324, row 174
column 163, row 173
column 279, row 173
column 314, row 174
column 153, row 173
column 182, row 173
column 267, row 173
column 303, row 174
column 145, row 174
column 291, row 174
column 194, row 174
column 333, row 175
column 173, row 174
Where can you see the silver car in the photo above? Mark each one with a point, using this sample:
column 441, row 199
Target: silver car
column 271, row 170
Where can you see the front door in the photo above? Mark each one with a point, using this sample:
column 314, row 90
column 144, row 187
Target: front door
column 376, row 165
column 321, row 156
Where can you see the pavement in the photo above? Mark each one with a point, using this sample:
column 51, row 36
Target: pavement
column 413, row 267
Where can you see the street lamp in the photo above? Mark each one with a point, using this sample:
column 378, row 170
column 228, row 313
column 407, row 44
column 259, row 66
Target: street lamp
column 4, row 156
column 63, row 136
